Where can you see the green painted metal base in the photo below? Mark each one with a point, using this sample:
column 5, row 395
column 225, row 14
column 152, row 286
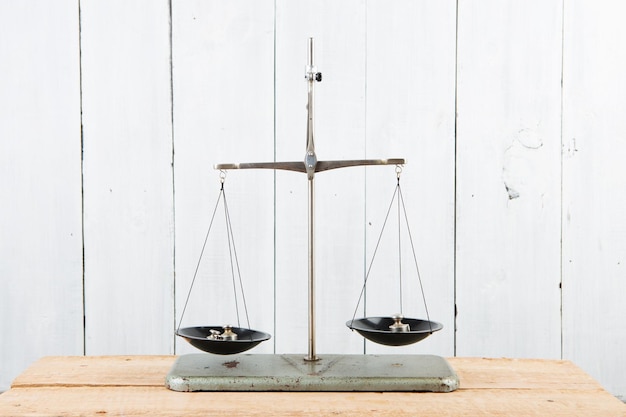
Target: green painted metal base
column 262, row 372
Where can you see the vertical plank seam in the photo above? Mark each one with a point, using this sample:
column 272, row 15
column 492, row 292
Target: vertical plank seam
column 82, row 171
column 274, row 181
column 456, row 103
column 561, row 179
column 365, row 169
column 173, row 178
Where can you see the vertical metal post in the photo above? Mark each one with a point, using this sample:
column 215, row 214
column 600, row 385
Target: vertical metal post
column 310, row 160
column 311, row 355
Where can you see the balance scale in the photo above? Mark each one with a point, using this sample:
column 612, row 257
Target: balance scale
column 227, row 368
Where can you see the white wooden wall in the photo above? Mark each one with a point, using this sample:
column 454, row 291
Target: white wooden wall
column 510, row 115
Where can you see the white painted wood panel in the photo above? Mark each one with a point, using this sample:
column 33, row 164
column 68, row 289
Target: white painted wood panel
column 128, row 208
column 410, row 114
column 40, row 182
column 339, row 32
column 594, row 231
column 508, row 179
column 224, row 112
column 514, row 198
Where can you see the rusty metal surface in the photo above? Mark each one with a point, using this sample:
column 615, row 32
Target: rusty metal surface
column 264, row 372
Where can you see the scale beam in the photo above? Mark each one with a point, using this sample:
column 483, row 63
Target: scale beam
column 301, row 166
column 287, row 166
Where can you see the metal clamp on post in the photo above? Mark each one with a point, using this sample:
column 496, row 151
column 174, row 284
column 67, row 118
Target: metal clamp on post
column 311, row 75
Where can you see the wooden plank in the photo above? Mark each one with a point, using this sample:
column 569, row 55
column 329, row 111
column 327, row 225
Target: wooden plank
column 507, row 373
column 96, row 371
column 128, row 203
column 223, row 112
column 474, row 373
column 40, row 182
column 134, row 385
column 139, row 401
column 508, row 179
column 410, row 114
column 594, row 231
column 339, row 32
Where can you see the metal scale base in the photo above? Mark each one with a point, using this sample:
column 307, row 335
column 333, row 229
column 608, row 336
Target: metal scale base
column 266, row 372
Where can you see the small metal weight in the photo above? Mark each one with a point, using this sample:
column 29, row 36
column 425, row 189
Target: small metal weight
column 397, row 325
column 227, row 335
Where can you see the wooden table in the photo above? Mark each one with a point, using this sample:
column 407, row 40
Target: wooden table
column 134, row 386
